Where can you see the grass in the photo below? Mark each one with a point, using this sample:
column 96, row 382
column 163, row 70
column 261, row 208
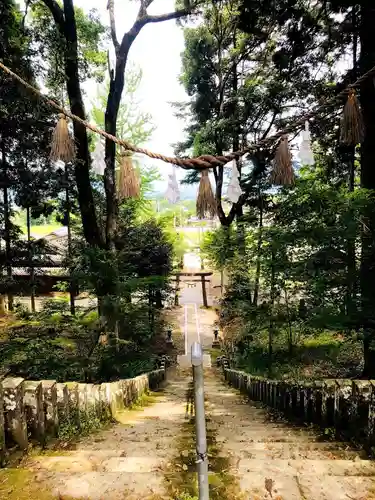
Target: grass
column 146, row 399
column 42, row 230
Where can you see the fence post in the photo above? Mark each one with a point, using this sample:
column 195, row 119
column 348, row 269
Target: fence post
column 200, row 421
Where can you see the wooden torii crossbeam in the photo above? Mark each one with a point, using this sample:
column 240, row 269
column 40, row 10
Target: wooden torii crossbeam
column 202, row 278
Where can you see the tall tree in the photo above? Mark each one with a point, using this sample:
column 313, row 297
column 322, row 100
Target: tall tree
column 117, row 82
column 24, row 126
column 72, row 48
column 244, row 86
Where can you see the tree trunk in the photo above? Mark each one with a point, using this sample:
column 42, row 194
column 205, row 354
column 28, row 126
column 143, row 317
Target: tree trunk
column 8, row 259
column 272, row 319
column 259, row 249
column 31, row 259
column 158, row 299
column 236, row 146
column 72, row 287
column 351, row 291
column 290, row 329
column 367, row 274
column 116, row 88
column 151, row 310
column 350, row 249
column 83, row 160
column 2, row 306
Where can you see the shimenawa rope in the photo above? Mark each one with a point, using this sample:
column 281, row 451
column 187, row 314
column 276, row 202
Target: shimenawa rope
column 204, row 161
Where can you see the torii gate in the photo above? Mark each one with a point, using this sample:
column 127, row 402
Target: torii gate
column 202, row 277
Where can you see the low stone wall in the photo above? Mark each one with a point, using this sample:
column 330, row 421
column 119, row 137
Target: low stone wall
column 342, row 407
column 31, row 410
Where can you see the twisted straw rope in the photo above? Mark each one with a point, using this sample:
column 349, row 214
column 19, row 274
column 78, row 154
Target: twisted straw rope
column 204, row 161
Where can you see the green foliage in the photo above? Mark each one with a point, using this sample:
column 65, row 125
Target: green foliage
column 80, row 423
column 315, row 354
column 219, row 247
column 51, row 45
column 296, row 262
column 133, row 124
column 62, row 347
column 131, row 284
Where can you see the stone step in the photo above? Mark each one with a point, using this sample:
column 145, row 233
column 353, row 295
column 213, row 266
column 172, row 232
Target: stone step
column 305, row 467
column 291, row 480
column 268, row 436
column 273, row 450
column 97, row 485
column 306, row 486
column 97, row 461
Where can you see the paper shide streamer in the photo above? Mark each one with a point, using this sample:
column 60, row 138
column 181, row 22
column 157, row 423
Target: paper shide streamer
column 234, row 189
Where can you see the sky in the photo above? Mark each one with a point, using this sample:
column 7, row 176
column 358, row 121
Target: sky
column 157, row 50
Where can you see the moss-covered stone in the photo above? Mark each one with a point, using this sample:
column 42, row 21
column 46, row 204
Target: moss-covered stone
column 20, row 484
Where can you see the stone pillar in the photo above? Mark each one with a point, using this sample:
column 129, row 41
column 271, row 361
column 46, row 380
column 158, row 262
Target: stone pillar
column 90, row 398
column 343, row 395
column 126, row 392
column 361, row 409
column 248, row 386
column 246, row 382
column 117, row 403
column 82, row 397
column 275, row 394
column 242, row 381
column 73, row 402
column 119, row 395
column 138, row 387
column 50, row 407
column 144, row 384
column 254, row 388
column 15, row 422
column 96, row 395
column 286, row 396
column 262, row 390
column 133, row 391
column 62, row 401
column 301, row 402
column 371, row 415
column 239, row 380
column 33, row 400
column 317, row 401
column 293, row 398
column 269, row 392
column 105, row 399
column 308, row 401
column 328, row 399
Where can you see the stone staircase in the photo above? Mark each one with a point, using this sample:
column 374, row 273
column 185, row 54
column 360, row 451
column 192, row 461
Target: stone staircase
column 106, row 473
column 268, row 457
column 289, row 461
column 127, row 460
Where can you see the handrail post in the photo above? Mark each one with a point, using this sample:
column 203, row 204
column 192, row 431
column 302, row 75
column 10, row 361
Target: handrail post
column 200, row 421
